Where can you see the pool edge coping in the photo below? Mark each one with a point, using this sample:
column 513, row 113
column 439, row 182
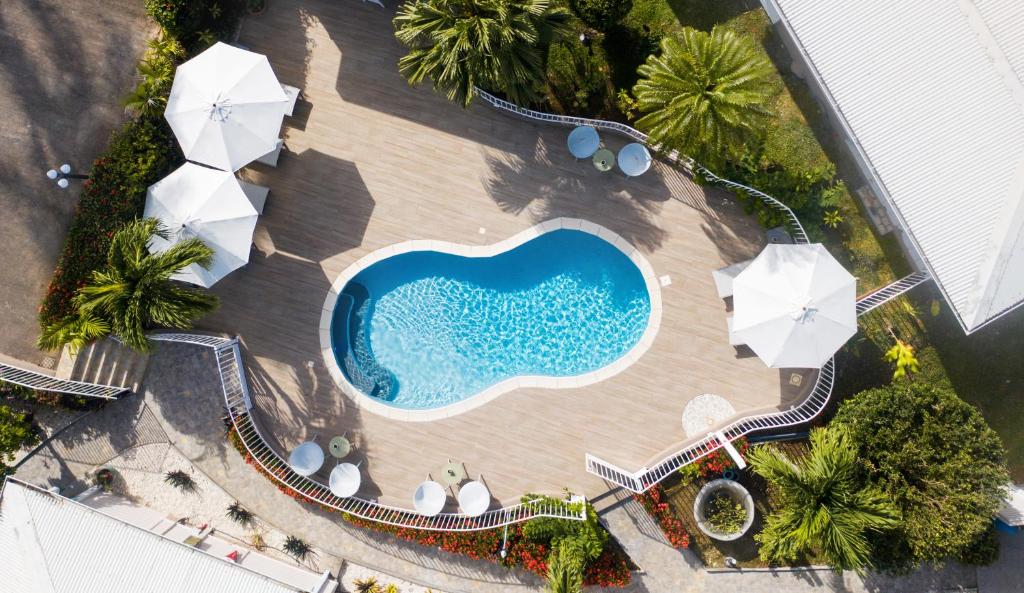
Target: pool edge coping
column 365, row 402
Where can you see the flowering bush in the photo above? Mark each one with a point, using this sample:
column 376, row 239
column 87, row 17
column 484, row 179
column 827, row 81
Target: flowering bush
column 715, row 463
column 140, row 153
column 654, row 501
column 610, row 569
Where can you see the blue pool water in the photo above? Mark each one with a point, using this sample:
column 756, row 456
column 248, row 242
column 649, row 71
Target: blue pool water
column 425, row 329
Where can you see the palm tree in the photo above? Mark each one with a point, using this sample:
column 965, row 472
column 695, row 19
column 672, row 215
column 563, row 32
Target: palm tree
column 462, row 44
column 565, row 567
column 135, row 291
column 156, row 73
column 76, row 331
column 824, row 505
column 705, row 95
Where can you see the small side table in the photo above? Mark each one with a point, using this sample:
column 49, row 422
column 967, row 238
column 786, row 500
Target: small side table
column 339, row 447
column 453, row 474
column 604, row 160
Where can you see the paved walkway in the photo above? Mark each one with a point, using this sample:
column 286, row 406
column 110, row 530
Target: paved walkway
column 182, row 406
column 64, row 67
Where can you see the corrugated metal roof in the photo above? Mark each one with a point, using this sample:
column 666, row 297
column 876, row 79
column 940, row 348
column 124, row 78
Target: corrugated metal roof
column 932, row 91
column 52, row 544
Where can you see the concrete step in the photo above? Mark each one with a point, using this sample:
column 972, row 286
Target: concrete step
column 106, row 362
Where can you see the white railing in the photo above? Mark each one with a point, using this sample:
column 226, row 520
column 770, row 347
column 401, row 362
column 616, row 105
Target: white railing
column 238, row 404
column 887, row 293
column 673, row 157
column 34, row 380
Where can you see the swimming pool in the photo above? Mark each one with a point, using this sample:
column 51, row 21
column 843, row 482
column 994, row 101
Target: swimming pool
column 427, row 329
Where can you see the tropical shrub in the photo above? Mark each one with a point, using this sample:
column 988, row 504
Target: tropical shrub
column 825, row 506
column 239, row 514
column 180, row 480
column 934, row 456
column 577, row 77
column 156, row 73
column 724, row 514
column 601, row 14
column 15, row 432
column 139, row 154
column 196, row 23
column 705, row 94
column 297, row 548
column 494, row 44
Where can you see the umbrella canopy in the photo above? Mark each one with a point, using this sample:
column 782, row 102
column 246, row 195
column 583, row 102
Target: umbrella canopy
column 583, row 141
column 226, row 107
column 634, row 159
column 474, row 498
column 344, row 480
column 795, row 305
column 428, row 500
column 196, row 201
column 306, row 459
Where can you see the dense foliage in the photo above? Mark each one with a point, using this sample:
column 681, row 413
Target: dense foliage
column 601, row 14
column 577, row 77
column 724, row 514
column 196, row 23
column 134, row 292
column 494, row 44
column 529, row 544
column 937, row 459
column 656, row 504
column 156, row 73
column 139, row 154
column 825, row 506
column 705, row 94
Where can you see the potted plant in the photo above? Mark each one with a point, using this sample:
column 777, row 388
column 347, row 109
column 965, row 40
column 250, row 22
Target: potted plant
column 104, row 478
column 724, row 510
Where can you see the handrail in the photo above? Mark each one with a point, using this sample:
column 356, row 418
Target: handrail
column 873, row 300
column 236, row 402
column 644, row 478
column 34, row 380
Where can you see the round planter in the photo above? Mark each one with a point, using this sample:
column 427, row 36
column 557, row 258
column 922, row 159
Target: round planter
column 733, row 490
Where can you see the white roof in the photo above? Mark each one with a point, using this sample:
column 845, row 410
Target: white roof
column 932, row 92
column 1012, row 511
column 51, row 544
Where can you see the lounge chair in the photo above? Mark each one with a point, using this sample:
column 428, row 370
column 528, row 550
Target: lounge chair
column 293, row 95
column 724, row 277
column 733, row 339
column 270, row 159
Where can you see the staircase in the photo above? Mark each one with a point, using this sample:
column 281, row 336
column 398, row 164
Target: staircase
column 107, row 362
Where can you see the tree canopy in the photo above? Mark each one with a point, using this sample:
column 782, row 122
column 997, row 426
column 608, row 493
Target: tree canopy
column 937, row 459
column 493, row 44
column 705, row 94
column 15, row 431
column 825, row 507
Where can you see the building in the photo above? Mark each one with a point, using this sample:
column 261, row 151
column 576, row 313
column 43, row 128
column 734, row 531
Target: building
column 52, row 544
column 930, row 95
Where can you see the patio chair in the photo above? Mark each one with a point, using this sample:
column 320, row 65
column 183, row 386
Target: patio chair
column 724, row 277
column 257, row 194
column 293, row 95
column 733, row 339
column 270, row 159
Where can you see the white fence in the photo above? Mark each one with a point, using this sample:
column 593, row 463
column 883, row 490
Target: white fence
column 34, row 380
column 238, row 404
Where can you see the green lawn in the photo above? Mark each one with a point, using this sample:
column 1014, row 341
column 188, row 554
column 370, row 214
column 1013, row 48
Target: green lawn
column 983, row 368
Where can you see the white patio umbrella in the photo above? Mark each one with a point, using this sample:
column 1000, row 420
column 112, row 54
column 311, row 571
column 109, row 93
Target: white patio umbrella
column 306, row 458
column 795, row 305
column 195, row 201
column 634, row 159
column 226, row 107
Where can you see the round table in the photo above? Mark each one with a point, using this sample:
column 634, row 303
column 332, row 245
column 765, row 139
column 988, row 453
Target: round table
column 306, row 459
column 429, row 498
column 345, row 480
column 339, row 447
column 453, row 473
column 474, row 498
column 604, row 160
column 583, row 141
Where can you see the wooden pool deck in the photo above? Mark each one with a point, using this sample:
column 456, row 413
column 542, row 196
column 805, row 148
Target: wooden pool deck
column 372, row 162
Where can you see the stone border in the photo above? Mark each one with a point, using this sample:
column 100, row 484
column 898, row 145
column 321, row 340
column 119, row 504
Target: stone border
column 365, row 402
